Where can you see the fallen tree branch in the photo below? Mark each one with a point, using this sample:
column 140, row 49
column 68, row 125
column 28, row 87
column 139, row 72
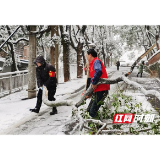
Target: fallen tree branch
column 100, row 130
column 90, row 89
column 113, row 81
column 121, row 132
column 103, row 131
column 54, row 103
column 83, row 121
column 138, row 86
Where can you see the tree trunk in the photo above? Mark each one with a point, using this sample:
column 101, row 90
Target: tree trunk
column 57, row 54
column 108, row 61
column 52, row 49
column 31, row 66
column 157, row 38
column 65, row 43
column 149, row 40
column 79, row 61
column 84, row 60
column 14, row 64
column 104, row 56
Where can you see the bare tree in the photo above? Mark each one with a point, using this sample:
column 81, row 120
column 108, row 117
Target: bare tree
column 77, row 42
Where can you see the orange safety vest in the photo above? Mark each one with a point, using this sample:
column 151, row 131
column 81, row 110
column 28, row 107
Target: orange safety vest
column 101, row 87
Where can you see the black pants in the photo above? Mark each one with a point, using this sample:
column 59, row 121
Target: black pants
column 117, row 67
column 51, row 93
column 94, row 106
column 139, row 73
column 88, row 83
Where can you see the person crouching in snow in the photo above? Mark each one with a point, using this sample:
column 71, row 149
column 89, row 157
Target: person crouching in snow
column 46, row 76
column 97, row 70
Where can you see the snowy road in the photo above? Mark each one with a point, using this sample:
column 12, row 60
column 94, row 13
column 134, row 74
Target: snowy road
column 43, row 123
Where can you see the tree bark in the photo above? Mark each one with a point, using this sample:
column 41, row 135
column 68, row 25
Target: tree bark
column 90, row 89
column 56, row 103
column 157, row 38
column 57, row 54
column 52, row 49
column 79, row 61
column 80, row 56
column 149, row 40
column 84, row 60
column 14, row 65
column 104, row 56
column 65, row 43
column 31, row 66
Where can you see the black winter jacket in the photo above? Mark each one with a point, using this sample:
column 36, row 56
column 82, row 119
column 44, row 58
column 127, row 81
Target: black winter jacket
column 43, row 78
column 118, row 63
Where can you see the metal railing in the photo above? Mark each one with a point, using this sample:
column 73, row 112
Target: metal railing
column 11, row 82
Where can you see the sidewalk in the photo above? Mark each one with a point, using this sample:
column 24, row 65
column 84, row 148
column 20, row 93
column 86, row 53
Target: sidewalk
column 14, row 111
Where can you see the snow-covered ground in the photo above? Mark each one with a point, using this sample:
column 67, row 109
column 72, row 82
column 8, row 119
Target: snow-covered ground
column 15, row 117
column 14, row 111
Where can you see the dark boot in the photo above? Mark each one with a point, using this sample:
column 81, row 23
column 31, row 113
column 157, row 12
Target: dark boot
column 36, row 110
column 54, row 111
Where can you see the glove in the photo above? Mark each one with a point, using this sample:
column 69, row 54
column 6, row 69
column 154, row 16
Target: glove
column 41, row 88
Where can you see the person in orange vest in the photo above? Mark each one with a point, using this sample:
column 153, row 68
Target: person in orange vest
column 97, row 70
